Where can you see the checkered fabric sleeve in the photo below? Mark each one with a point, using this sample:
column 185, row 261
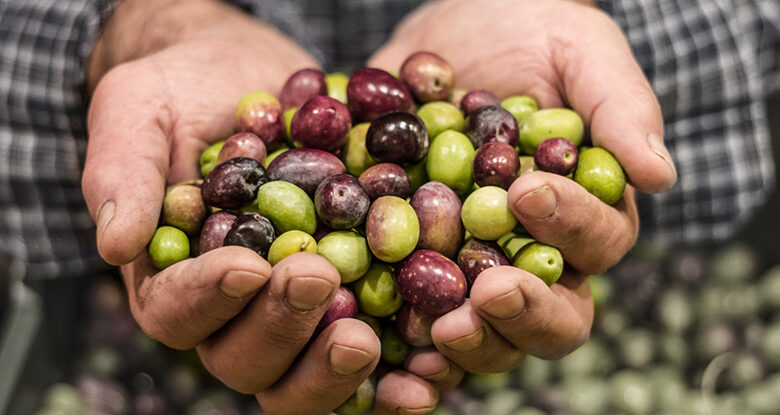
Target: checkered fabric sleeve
column 44, row 224
column 711, row 64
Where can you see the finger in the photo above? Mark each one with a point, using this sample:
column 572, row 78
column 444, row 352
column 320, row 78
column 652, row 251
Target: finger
column 186, row 302
column 127, row 163
column 432, row 366
column 591, row 235
column 257, row 347
column 330, row 371
column 466, row 339
column 400, row 392
column 548, row 322
column 603, row 82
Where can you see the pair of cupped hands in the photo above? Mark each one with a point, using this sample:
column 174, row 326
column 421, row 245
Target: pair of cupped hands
column 165, row 84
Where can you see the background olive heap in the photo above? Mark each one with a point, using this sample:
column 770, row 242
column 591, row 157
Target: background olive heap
column 677, row 330
column 399, row 181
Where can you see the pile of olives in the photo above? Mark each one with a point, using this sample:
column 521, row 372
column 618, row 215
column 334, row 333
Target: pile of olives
column 400, row 181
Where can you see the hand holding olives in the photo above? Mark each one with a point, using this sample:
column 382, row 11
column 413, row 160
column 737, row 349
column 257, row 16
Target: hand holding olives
column 402, row 258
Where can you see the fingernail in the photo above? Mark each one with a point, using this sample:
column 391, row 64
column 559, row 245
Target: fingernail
column 656, row 144
column 348, row 360
column 435, row 377
column 538, row 204
column 414, row 411
column 307, row 293
column 468, row 342
column 104, row 216
column 506, row 306
column 239, row 284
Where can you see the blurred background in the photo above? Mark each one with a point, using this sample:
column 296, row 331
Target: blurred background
column 678, row 330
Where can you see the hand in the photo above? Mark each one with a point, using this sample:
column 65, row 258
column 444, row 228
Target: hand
column 561, row 53
column 156, row 105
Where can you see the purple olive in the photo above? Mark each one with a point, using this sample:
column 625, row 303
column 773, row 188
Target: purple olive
column 438, row 210
column 302, row 86
column 495, row 164
column 305, row 168
column 414, row 326
column 344, row 305
column 477, row 98
column 214, row 230
column 373, row 92
column 428, row 76
column 340, row 202
column 243, row 145
column 556, row 155
column 253, row 231
column 233, row 183
column 321, row 123
column 261, row 114
column 477, row 255
column 431, row 282
column 492, row 123
column 397, row 137
column 385, row 179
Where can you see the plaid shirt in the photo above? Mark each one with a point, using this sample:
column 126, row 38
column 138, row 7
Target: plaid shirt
column 711, row 64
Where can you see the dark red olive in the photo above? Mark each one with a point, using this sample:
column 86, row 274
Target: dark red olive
column 397, row 137
column 305, row 168
column 385, row 179
column 476, row 256
column 243, row 145
column 302, row 86
column 341, row 202
column 253, row 231
column 492, row 123
column 214, row 230
column 438, row 210
column 477, row 98
column 428, row 76
column 233, row 183
column 321, row 123
column 344, row 305
column 556, row 155
column 372, row 92
column 495, row 164
column 431, row 282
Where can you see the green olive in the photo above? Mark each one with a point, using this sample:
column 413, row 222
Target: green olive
column 348, row 252
column 291, row 242
column 451, row 161
column 354, row 155
column 376, row 292
column 394, row 349
column 542, row 260
column 599, row 172
column 417, row 175
column 208, row 159
column 288, row 115
column 168, row 246
column 273, row 155
column 440, row 116
column 287, row 206
column 547, row 123
column 392, row 228
column 337, row 86
column 485, row 213
column 520, row 106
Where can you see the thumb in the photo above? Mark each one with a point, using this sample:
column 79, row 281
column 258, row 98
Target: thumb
column 603, row 82
column 127, row 163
